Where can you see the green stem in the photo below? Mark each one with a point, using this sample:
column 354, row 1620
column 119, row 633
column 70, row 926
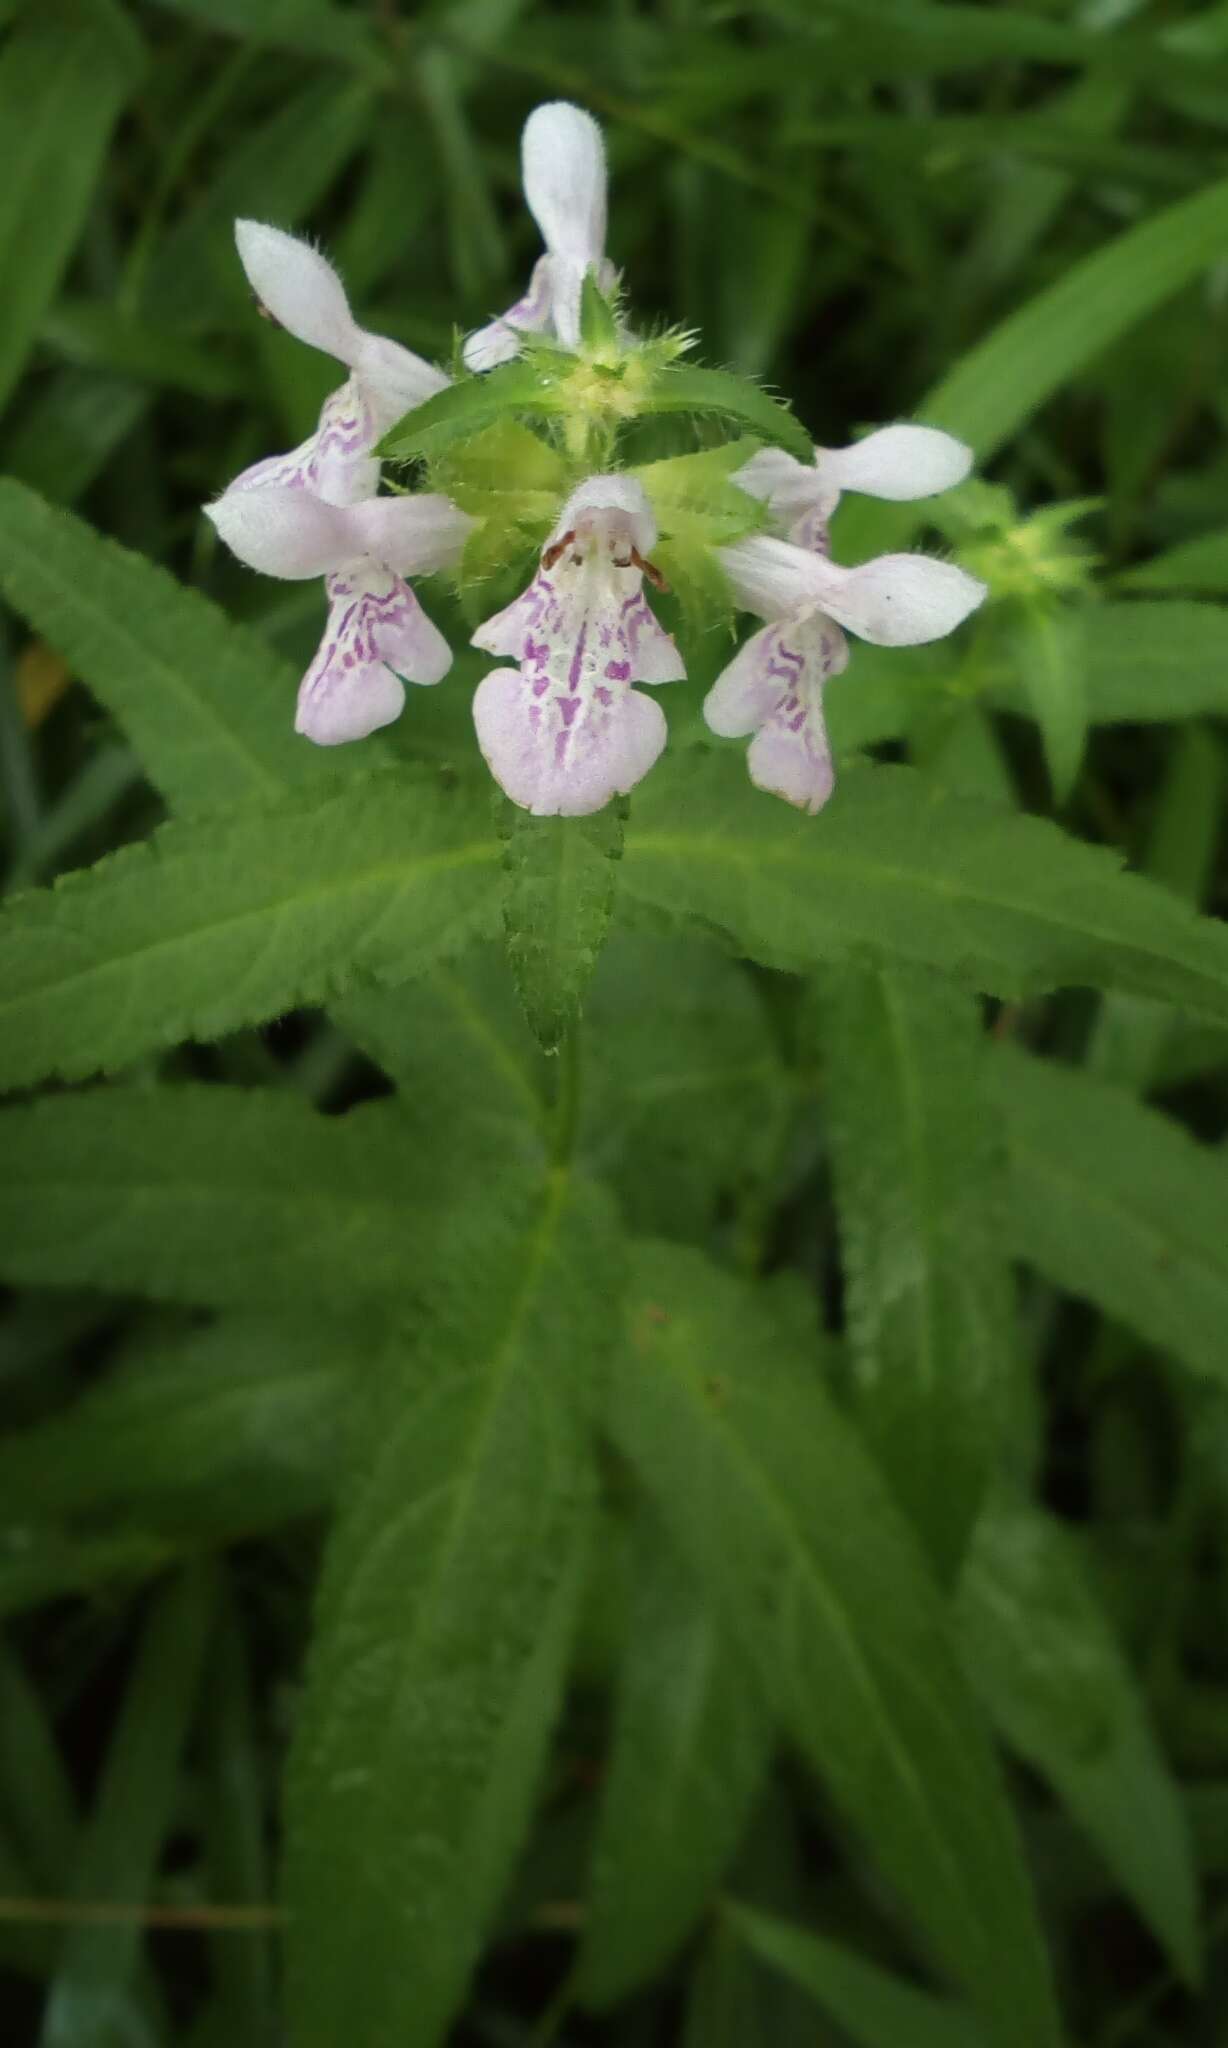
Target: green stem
column 567, row 1096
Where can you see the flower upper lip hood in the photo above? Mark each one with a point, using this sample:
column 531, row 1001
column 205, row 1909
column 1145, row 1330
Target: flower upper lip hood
column 564, row 173
column 300, row 288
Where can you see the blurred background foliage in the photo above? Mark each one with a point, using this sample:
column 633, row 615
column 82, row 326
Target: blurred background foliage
column 849, row 200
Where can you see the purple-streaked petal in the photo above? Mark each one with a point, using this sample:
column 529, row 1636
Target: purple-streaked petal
column 774, row 687
column 790, row 757
column 897, row 600
column 334, row 463
column 748, row 689
column 500, row 341
column 897, row 462
column 563, row 165
column 565, row 756
column 375, row 626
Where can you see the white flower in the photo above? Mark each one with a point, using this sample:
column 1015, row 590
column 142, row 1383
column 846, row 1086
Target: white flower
column 377, row 632
column 304, row 294
column 564, row 731
column 896, row 462
column 563, row 168
column 774, row 686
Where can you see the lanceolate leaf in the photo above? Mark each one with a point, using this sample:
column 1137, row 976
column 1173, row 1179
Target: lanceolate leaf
column 207, row 704
column 471, row 405
column 66, row 70
column 1040, row 347
column 442, row 1636
column 1005, row 903
column 920, row 1201
column 235, row 1428
column 559, row 877
column 689, row 1749
column 1116, row 1203
column 1040, row 1651
column 685, row 387
column 787, row 1524
column 874, row 2008
column 216, row 1195
column 1049, row 650
column 92, row 1990
column 1156, row 659
column 210, row 926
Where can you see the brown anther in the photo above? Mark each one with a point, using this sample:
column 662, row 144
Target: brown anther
column 558, row 547
column 264, row 312
column 650, row 570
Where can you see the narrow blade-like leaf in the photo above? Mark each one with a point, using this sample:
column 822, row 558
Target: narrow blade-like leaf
column 442, row 1635
column 787, row 1523
column 920, row 1203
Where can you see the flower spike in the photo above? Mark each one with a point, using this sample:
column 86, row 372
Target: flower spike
column 377, row 633
column 564, row 731
column 564, row 173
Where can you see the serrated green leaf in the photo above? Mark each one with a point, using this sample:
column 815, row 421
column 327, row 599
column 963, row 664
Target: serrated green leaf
column 233, row 1429
column 685, row 387
column 687, row 1100
column 1117, row 1203
column 92, row 1992
column 920, row 1204
column 1039, row 1650
column 903, row 871
column 216, row 1195
column 207, row 704
column 454, row 1035
column 690, row 1746
column 874, row 2008
column 1130, row 1037
column 472, row 405
column 1048, row 648
column 443, row 1630
column 786, row 1523
column 66, row 70
column 213, row 925
column 559, row 879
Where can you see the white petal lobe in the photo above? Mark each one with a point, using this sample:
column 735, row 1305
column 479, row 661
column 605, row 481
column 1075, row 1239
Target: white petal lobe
column 898, row 462
column 563, row 161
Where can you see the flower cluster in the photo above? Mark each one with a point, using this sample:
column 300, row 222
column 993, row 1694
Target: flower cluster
column 561, row 724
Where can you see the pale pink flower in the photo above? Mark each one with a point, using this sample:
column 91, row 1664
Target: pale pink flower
column 564, row 731
column 377, row 632
column 774, row 686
